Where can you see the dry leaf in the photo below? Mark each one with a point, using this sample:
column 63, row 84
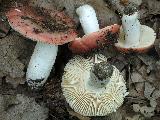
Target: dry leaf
column 136, row 107
column 21, row 107
column 148, row 90
column 153, row 6
column 156, row 94
column 15, row 81
column 147, row 111
column 136, row 77
column 140, row 88
column 12, row 47
column 135, row 117
column 80, row 117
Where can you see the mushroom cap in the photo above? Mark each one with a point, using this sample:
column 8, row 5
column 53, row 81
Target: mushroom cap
column 95, row 39
column 147, row 39
column 87, row 99
column 39, row 24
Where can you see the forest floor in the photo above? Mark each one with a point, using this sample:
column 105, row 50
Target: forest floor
column 19, row 102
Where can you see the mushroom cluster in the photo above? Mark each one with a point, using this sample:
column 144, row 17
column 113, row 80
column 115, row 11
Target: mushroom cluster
column 51, row 28
column 93, row 89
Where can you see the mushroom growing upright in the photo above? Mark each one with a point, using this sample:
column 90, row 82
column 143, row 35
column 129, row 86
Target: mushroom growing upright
column 93, row 89
column 94, row 36
column 50, row 28
column 133, row 36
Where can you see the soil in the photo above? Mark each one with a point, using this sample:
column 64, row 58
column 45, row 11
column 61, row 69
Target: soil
column 141, row 71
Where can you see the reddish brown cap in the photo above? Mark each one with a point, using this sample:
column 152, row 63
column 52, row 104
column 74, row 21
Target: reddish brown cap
column 39, row 24
column 95, row 40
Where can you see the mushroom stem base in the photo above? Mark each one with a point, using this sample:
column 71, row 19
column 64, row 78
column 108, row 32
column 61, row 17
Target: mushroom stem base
column 41, row 63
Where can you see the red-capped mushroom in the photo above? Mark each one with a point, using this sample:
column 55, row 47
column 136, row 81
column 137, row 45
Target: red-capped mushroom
column 94, row 37
column 50, row 28
column 94, row 40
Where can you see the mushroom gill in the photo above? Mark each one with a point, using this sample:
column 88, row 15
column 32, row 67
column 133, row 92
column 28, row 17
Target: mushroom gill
column 90, row 93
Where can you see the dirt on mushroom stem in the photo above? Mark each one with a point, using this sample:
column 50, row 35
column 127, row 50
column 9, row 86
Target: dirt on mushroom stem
column 130, row 9
column 103, row 70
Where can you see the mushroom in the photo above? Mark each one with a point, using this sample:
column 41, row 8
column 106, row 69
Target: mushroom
column 133, row 36
column 91, row 29
column 93, row 89
column 49, row 29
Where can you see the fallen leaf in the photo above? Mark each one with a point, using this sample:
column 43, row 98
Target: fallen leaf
column 148, row 90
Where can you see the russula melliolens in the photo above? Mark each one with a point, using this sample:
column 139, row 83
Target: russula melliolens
column 93, row 89
column 49, row 29
column 133, row 36
column 94, row 36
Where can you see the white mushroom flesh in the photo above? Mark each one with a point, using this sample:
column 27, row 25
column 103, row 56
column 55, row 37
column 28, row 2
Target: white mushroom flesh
column 88, row 19
column 86, row 96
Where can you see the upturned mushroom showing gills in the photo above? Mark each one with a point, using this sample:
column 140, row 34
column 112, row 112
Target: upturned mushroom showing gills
column 93, row 89
column 133, row 36
column 94, row 36
column 49, row 28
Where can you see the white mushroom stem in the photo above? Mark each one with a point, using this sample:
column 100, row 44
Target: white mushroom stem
column 88, row 19
column 131, row 27
column 41, row 63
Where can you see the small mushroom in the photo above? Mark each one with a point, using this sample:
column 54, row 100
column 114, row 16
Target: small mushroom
column 93, row 89
column 133, row 36
column 94, row 36
column 50, row 28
